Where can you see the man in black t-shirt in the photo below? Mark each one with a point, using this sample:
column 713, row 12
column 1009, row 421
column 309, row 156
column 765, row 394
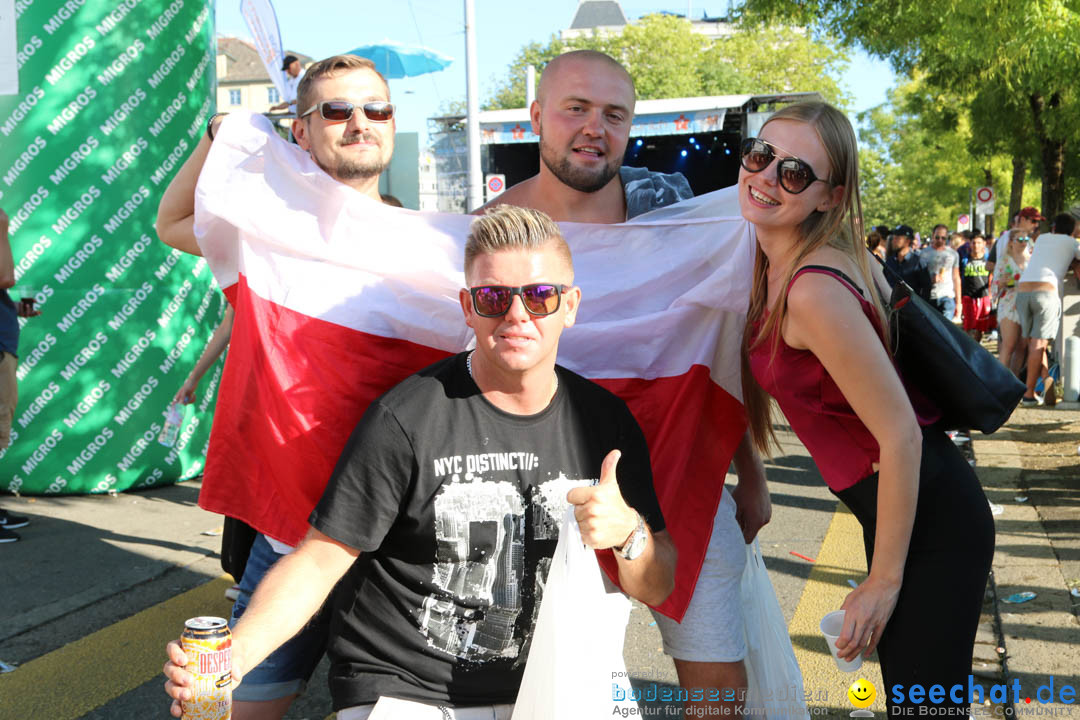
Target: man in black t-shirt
column 444, row 508
column 975, row 283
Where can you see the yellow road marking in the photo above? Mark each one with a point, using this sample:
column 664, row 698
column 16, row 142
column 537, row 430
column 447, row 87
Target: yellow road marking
column 89, row 672
column 841, row 557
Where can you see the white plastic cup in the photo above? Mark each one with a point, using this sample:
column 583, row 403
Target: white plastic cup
column 831, row 625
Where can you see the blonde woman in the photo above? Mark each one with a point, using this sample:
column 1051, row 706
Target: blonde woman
column 815, row 341
column 1007, row 272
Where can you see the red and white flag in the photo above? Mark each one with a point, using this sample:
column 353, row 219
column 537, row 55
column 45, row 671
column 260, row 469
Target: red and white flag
column 339, row 297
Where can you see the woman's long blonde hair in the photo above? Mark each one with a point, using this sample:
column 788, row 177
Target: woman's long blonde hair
column 839, row 227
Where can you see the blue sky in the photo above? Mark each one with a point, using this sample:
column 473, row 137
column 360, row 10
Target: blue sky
column 324, row 27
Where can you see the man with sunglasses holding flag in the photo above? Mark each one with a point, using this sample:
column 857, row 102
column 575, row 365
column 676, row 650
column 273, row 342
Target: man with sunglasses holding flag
column 451, row 491
column 346, row 124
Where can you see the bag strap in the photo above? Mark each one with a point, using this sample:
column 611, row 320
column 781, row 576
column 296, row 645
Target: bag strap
column 830, row 271
column 895, row 276
column 855, row 288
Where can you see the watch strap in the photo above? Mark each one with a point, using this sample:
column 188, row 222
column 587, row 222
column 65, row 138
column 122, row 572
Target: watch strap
column 210, row 124
column 636, row 542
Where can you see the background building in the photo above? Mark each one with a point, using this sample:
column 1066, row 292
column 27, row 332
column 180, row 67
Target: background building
column 243, row 83
column 606, row 17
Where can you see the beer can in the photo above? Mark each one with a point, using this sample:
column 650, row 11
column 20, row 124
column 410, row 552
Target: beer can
column 207, row 642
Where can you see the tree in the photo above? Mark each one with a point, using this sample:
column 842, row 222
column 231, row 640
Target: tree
column 779, row 60
column 919, row 160
column 657, row 52
column 1034, row 56
column 1000, row 126
column 666, row 58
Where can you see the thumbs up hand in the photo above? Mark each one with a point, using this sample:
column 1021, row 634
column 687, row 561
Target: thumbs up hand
column 603, row 516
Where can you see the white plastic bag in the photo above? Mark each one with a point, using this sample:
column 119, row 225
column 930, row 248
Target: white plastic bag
column 774, row 681
column 575, row 667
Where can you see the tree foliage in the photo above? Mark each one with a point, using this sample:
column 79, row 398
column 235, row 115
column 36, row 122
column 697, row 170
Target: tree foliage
column 666, row 59
column 919, row 161
column 1020, row 54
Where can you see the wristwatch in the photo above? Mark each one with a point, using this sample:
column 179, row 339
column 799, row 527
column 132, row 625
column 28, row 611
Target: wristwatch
column 210, row 124
column 633, row 547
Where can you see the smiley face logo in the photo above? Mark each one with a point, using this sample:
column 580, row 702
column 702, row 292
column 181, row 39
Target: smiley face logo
column 862, row 693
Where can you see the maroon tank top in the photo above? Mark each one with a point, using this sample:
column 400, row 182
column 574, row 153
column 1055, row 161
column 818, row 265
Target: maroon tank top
column 841, row 446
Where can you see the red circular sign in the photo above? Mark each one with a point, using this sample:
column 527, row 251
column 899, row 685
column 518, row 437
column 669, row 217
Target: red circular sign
column 984, row 194
column 495, row 184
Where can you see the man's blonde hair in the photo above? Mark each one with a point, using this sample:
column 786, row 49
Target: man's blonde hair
column 508, row 227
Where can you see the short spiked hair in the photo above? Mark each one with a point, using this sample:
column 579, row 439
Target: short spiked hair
column 508, row 227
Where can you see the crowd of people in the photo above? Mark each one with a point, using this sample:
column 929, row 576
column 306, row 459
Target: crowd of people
column 1006, row 288
column 370, row 546
column 359, row 586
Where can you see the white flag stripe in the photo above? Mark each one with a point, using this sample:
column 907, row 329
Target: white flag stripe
column 659, row 295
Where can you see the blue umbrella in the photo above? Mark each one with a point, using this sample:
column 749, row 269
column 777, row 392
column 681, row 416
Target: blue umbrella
column 395, row 60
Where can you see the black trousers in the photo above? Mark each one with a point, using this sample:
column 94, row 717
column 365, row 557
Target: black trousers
column 931, row 635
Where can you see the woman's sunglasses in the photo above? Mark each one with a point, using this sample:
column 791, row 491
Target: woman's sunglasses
column 495, row 300
column 793, row 174
column 341, row 111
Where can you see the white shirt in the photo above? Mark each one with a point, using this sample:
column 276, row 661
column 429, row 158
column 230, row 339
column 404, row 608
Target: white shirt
column 291, row 84
column 1050, row 259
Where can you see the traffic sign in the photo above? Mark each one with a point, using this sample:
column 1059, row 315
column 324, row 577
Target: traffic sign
column 495, row 184
column 963, row 222
column 984, row 201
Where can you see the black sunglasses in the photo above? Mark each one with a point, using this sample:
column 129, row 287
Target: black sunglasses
column 341, row 111
column 495, row 300
column 793, row 174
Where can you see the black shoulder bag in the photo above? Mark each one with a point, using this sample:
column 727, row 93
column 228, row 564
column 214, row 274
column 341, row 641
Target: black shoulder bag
column 967, row 384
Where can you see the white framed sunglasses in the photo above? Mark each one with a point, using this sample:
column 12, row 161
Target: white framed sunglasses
column 341, row 111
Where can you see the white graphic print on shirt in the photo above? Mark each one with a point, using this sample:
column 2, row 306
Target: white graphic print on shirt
column 480, row 528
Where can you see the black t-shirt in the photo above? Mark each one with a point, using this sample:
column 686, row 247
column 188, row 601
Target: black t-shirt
column 975, row 277
column 456, row 507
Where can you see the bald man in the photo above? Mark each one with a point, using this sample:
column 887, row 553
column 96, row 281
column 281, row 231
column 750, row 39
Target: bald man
column 583, row 112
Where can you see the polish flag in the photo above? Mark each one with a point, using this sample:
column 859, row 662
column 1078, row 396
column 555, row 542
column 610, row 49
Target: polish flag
column 339, row 297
